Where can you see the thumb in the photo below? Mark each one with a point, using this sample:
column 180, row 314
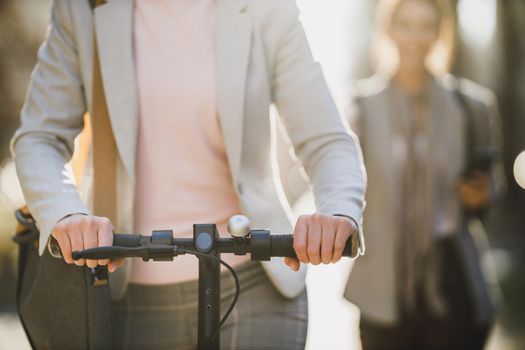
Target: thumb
column 292, row 263
column 115, row 264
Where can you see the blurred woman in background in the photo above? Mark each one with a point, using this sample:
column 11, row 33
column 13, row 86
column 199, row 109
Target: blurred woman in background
column 429, row 148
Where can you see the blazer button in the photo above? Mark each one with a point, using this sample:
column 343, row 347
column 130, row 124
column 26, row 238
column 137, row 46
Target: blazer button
column 239, row 188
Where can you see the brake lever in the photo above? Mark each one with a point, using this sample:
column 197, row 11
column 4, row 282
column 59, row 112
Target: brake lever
column 111, row 252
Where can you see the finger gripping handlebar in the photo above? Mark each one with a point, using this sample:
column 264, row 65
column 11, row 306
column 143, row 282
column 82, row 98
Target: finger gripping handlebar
column 282, row 246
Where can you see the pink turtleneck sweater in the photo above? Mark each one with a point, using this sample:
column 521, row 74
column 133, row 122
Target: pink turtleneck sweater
column 182, row 174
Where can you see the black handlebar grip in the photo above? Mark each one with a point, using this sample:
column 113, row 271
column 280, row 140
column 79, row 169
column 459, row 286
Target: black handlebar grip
column 126, row 240
column 110, row 253
column 282, row 245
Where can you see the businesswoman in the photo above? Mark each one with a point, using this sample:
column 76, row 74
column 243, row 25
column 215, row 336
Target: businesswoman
column 188, row 85
column 428, row 143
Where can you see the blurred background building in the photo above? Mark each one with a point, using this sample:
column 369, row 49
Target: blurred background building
column 491, row 52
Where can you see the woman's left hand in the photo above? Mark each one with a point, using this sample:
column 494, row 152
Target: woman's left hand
column 320, row 238
column 474, row 192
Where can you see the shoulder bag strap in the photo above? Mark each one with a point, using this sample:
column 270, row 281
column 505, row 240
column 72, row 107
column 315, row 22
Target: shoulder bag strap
column 104, row 146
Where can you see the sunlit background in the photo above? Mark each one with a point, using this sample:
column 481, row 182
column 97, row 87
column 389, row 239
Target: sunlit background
column 491, row 52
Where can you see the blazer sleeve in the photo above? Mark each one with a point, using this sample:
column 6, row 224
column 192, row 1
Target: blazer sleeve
column 51, row 118
column 329, row 153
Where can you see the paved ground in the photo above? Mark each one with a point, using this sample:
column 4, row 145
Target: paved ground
column 11, row 333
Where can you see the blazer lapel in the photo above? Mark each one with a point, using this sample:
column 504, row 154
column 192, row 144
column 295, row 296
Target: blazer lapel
column 233, row 48
column 113, row 25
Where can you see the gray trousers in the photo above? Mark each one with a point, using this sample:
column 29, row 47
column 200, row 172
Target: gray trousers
column 165, row 317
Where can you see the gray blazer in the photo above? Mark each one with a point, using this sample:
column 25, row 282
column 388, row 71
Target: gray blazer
column 381, row 109
column 262, row 58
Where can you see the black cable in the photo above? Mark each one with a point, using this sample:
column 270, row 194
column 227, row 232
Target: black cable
column 237, row 289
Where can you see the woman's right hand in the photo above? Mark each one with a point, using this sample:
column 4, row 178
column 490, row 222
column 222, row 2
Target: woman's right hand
column 78, row 232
